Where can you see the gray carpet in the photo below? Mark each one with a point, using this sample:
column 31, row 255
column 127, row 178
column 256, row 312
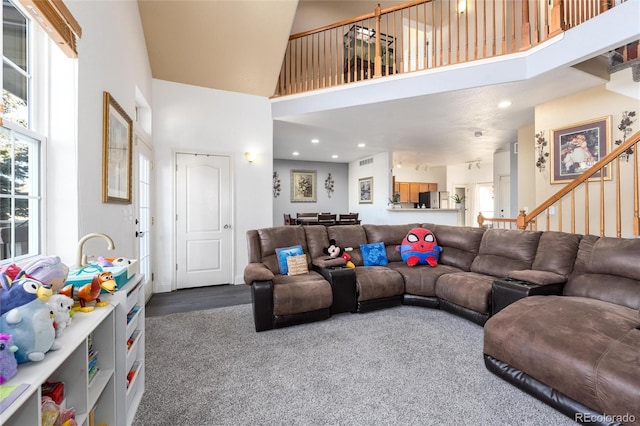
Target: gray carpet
column 400, row 366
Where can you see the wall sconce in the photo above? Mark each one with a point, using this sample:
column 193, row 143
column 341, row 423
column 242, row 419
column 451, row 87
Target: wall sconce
column 249, row 156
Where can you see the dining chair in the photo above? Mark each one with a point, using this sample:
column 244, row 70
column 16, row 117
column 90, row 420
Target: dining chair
column 327, row 219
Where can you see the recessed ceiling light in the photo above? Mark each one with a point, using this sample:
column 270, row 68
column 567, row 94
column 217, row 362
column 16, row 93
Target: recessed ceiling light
column 334, row 156
column 361, row 145
column 315, row 140
column 296, row 153
column 504, row 104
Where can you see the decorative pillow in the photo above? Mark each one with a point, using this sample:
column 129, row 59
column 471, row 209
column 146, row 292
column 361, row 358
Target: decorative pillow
column 285, row 252
column 419, row 247
column 374, row 254
column 297, row 264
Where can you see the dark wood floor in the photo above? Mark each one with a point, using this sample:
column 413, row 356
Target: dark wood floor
column 197, row 299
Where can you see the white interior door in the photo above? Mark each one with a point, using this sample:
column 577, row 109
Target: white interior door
column 504, row 196
column 203, row 221
column 144, row 217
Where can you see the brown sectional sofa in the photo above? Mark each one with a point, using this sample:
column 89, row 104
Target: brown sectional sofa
column 577, row 349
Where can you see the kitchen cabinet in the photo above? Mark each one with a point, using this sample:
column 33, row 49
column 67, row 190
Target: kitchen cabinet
column 409, row 190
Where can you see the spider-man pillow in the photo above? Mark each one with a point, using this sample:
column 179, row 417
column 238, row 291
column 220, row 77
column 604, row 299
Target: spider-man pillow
column 420, row 247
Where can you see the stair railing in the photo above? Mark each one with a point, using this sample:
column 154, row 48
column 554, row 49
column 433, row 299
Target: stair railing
column 622, row 209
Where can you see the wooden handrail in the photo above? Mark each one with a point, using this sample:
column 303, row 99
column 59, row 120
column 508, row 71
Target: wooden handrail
column 523, row 220
column 423, row 34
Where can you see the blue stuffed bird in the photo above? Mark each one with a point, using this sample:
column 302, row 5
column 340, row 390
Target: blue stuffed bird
column 20, row 292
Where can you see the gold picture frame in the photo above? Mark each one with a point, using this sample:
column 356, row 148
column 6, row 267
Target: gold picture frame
column 303, row 186
column 116, row 153
column 576, row 147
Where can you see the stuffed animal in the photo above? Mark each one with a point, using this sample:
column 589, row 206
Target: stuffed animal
column 419, row 247
column 61, row 306
column 48, row 270
column 91, row 291
column 20, row 292
column 8, row 363
column 105, row 263
column 31, row 327
column 121, row 261
column 335, row 250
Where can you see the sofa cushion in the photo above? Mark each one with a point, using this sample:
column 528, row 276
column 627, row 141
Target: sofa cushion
column 421, row 280
column 557, row 252
column 349, row 236
column 593, row 277
column 467, row 289
column 378, row 282
column 390, row 235
column 374, row 254
column 283, row 253
column 264, row 242
column 504, row 250
column 299, row 296
column 460, row 244
column 572, row 345
column 317, row 240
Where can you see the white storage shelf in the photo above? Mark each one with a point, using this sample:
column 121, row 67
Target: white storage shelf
column 129, row 338
column 113, row 400
column 69, row 365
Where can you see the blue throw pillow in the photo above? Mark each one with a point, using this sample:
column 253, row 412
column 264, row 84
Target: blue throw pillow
column 374, row 254
column 285, row 252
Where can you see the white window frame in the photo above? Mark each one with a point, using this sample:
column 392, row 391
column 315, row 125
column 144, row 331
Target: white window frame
column 35, row 70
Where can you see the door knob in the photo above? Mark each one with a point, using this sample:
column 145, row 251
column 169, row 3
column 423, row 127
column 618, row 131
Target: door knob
column 227, row 226
column 139, row 234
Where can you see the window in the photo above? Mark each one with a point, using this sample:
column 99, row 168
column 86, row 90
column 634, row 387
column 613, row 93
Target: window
column 20, row 193
column 20, row 148
column 15, row 64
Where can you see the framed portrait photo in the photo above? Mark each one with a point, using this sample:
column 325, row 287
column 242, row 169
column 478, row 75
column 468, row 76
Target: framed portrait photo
column 116, row 153
column 303, row 186
column 365, row 190
column 577, row 147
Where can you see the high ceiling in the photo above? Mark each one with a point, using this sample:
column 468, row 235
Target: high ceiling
column 238, row 45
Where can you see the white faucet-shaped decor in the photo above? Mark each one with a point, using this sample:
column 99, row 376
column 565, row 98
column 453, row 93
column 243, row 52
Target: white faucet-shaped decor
column 81, row 258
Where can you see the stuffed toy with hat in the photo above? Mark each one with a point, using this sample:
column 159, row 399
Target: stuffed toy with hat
column 419, row 247
column 334, row 250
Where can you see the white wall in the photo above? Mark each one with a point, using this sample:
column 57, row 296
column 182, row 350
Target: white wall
column 111, row 58
column 200, row 120
column 432, row 175
column 380, row 170
column 338, row 203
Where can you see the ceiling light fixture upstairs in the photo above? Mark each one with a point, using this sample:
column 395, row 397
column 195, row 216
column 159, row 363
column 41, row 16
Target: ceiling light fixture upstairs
column 334, row 156
column 295, row 153
column 361, row 145
column 315, row 140
column 504, row 104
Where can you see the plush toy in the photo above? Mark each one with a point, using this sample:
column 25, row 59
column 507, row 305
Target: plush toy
column 61, row 306
column 121, row 261
column 48, row 270
column 91, row 291
column 8, row 363
column 20, row 292
column 31, row 327
column 335, row 250
column 419, row 247
column 105, row 263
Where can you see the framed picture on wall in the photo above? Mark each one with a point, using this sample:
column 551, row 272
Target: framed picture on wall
column 365, row 190
column 577, row 147
column 116, row 153
column 303, row 186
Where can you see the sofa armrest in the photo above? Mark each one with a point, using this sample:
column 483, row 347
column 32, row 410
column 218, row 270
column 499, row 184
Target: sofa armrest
column 328, row 262
column 262, row 297
column 538, row 277
column 343, row 288
column 257, row 272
